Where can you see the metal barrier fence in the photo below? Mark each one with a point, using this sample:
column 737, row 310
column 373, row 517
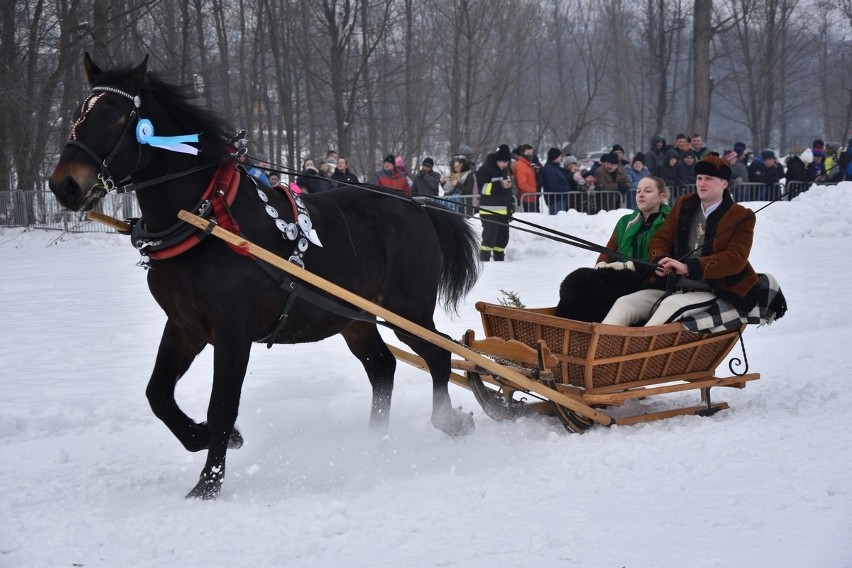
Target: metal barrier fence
column 583, row 201
column 41, row 210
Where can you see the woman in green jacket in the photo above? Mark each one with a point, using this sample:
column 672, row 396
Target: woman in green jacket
column 634, row 231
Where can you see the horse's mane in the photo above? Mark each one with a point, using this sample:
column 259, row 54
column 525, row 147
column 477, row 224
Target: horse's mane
column 180, row 101
column 192, row 118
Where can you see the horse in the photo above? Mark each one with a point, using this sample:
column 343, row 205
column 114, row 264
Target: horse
column 382, row 247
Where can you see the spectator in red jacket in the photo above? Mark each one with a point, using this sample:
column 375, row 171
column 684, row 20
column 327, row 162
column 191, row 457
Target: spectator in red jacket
column 390, row 177
column 525, row 179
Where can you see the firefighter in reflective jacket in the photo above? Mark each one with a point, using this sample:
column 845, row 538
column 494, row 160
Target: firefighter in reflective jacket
column 496, row 202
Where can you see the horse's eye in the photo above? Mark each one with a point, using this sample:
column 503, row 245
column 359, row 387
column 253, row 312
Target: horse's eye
column 114, row 118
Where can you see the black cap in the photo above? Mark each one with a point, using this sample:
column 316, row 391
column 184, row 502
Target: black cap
column 429, row 162
column 503, row 154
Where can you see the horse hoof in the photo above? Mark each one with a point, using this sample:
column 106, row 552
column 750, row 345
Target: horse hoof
column 457, row 423
column 206, row 489
column 235, row 440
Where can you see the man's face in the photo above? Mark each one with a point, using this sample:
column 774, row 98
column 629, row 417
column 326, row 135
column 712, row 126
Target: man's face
column 341, row 164
column 387, row 166
column 682, row 144
column 696, row 142
column 689, row 160
column 610, row 167
column 528, row 154
column 709, row 188
column 502, row 164
column 769, row 162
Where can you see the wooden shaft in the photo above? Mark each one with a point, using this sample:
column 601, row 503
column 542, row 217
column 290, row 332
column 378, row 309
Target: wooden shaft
column 117, row 224
column 432, row 337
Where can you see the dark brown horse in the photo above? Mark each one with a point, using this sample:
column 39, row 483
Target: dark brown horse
column 384, row 248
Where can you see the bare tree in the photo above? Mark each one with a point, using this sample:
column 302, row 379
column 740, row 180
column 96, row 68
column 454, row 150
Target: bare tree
column 702, row 35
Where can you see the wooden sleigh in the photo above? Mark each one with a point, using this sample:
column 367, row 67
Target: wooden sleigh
column 577, row 371
column 601, row 365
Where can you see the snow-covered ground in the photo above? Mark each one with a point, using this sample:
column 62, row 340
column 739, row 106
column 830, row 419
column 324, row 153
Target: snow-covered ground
column 89, row 477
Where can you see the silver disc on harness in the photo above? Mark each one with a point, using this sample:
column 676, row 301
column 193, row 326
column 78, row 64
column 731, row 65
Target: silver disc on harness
column 282, row 225
column 271, row 211
column 262, row 195
column 303, row 244
column 292, row 231
column 305, row 222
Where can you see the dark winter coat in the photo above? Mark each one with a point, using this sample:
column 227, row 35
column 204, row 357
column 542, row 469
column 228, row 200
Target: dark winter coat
column 759, row 173
column 723, row 263
column 796, row 169
column 492, row 195
column 665, row 171
column 344, row 176
column 427, row 183
column 654, row 157
column 554, row 179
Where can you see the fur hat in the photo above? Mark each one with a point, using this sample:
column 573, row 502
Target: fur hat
column 390, row 159
column 429, row 162
column 713, row 166
column 611, row 158
column 503, row 154
column 553, row 153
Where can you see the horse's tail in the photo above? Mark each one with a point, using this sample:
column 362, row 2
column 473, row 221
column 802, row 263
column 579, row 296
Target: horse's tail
column 460, row 252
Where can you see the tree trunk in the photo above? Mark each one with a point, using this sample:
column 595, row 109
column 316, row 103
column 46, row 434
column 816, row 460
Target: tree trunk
column 703, row 83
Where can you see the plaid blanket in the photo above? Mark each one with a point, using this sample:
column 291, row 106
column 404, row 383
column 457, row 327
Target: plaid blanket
column 722, row 316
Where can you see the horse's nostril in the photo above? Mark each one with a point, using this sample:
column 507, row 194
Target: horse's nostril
column 67, row 191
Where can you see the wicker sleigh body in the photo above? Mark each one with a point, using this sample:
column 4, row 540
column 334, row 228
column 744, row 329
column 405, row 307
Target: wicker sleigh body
column 602, row 365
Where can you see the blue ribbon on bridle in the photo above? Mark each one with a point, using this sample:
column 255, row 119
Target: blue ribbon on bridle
column 145, row 135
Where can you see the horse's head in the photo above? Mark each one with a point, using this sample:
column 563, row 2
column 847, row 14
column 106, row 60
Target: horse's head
column 102, row 147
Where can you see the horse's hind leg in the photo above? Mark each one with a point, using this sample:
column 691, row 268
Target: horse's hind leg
column 367, row 345
column 177, row 351
column 444, row 417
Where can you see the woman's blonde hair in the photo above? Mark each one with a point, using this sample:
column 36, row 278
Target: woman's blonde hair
column 660, row 185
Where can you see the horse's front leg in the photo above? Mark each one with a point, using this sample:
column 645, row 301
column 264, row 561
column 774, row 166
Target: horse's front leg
column 178, row 349
column 230, row 360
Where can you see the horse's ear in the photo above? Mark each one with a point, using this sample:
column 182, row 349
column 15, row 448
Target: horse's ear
column 140, row 73
column 92, row 70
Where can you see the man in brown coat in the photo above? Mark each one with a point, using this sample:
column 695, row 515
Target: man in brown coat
column 705, row 242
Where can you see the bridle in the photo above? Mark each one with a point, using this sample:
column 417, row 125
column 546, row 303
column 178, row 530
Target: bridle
column 104, row 175
column 108, row 184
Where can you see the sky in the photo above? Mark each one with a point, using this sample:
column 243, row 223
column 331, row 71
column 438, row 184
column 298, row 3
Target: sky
column 90, row 477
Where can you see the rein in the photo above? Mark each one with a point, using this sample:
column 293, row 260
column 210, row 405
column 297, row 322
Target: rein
column 541, row 230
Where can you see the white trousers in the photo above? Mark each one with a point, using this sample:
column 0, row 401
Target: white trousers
column 635, row 308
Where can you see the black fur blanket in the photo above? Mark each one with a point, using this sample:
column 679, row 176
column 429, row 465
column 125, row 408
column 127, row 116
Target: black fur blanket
column 587, row 294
